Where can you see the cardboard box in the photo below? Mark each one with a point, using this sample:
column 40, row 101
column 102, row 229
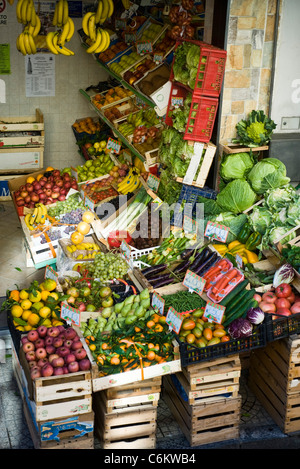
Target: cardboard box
column 18, row 181
column 21, row 159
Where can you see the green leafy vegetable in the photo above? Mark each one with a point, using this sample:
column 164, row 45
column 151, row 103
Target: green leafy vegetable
column 278, row 198
column 269, row 173
column 232, row 221
column 260, row 219
column 255, row 131
column 236, row 196
column 236, row 166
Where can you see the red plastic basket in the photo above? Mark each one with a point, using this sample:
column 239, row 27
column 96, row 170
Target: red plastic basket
column 211, row 69
column 178, row 94
column 201, row 119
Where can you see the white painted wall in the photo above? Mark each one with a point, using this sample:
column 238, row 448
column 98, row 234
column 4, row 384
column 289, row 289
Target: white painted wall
column 286, row 93
column 61, row 111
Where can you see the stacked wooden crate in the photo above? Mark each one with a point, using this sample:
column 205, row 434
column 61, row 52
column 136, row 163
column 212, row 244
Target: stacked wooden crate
column 274, row 377
column 126, row 416
column 22, row 143
column 205, row 401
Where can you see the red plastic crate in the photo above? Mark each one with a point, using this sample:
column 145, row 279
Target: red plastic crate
column 177, row 92
column 201, row 119
column 211, row 69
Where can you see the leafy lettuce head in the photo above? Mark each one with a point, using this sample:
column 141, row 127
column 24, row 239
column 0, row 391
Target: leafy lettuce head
column 260, row 219
column 280, row 197
column 236, row 166
column 269, row 173
column 236, row 196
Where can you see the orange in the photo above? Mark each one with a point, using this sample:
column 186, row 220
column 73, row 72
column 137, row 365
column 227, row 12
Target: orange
column 158, row 328
column 49, row 168
column 77, row 237
column 30, row 179
column 115, row 360
column 16, row 311
column 26, row 314
column 24, row 294
column 49, row 284
column 88, row 217
column 33, row 319
column 92, row 347
column 35, row 296
column 151, row 355
column 45, row 312
column 26, row 304
column 150, row 324
column 15, row 295
column 45, row 294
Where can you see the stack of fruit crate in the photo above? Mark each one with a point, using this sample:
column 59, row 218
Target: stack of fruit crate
column 274, row 374
column 126, row 416
column 205, row 401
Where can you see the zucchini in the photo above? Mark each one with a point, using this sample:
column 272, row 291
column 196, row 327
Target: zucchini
column 241, row 312
column 238, row 289
column 243, row 296
column 239, row 309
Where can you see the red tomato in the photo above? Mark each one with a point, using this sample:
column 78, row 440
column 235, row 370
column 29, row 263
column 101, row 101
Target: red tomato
column 291, row 298
column 269, row 297
column 283, row 290
column 282, row 303
column 283, row 312
column 295, row 308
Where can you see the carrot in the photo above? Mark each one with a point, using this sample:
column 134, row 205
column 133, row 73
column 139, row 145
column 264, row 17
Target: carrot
column 224, row 280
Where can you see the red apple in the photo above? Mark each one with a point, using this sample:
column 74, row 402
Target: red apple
column 41, row 353
column 33, row 335
column 73, row 367
column 56, row 173
column 42, row 330
column 35, row 373
column 39, row 343
column 52, row 357
column 70, row 333
column 53, row 331
column 30, row 356
column 32, row 363
column 58, row 371
column 29, row 187
column 54, row 195
column 61, row 198
column 76, row 344
column 80, row 353
column 70, row 358
column 68, row 343
column 58, row 362
column 28, row 347
column 24, row 340
column 50, row 349
column 34, row 197
column 57, row 342
column 63, row 351
column 47, row 370
column 48, row 339
column 42, row 362
column 84, row 364
column 66, row 371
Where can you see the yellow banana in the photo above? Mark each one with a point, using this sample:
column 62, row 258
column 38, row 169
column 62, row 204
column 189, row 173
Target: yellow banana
column 18, row 43
column 71, row 29
column 18, row 10
column 24, row 11
column 92, row 27
column 29, row 28
column 32, row 43
column 65, row 12
column 54, row 19
column 22, row 44
column 60, row 9
column 64, row 33
column 38, row 215
column 27, row 221
column 44, row 213
column 49, row 41
column 33, row 216
column 33, row 19
column 27, row 43
column 37, row 27
column 60, row 49
column 96, row 44
column 99, row 11
column 85, row 21
column 126, row 4
column 104, row 43
column 107, row 39
column 29, row 10
column 111, row 8
column 104, row 11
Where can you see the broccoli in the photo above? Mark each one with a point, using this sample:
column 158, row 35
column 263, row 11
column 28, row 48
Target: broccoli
column 255, row 131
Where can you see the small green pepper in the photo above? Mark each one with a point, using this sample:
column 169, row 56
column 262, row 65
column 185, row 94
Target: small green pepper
column 253, row 241
column 244, row 233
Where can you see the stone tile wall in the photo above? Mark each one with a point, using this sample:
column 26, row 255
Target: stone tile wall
column 249, row 62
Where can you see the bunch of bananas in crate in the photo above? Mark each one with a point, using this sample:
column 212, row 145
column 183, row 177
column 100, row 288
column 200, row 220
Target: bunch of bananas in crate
column 98, row 38
column 56, row 39
column 131, row 182
column 141, row 118
column 38, row 216
column 27, row 16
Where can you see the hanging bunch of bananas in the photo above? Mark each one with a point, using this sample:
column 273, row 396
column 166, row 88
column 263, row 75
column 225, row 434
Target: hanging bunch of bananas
column 131, row 182
column 126, row 4
column 56, row 39
column 26, row 15
column 38, row 216
column 98, row 38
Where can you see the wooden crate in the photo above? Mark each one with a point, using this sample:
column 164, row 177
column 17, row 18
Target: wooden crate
column 130, row 396
column 205, row 423
column 56, row 396
column 274, row 377
column 21, row 159
column 61, row 433
column 125, row 429
column 211, row 380
column 205, row 165
column 25, row 131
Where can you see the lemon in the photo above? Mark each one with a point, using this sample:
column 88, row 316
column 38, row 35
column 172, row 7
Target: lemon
column 20, row 328
column 26, row 314
column 35, row 297
column 47, row 322
column 103, row 144
column 44, row 294
column 56, row 322
column 24, row 294
column 45, row 312
column 28, row 327
column 33, row 319
column 37, row 306
column 26, row 304
column 49, row 284
column 17, row 311
column 54, row 295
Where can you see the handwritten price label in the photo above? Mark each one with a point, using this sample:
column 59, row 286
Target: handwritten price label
column 144, row 47
column 69, row 314
column 239, row 261
column 216, row 231
column 50, row 273
column 126, row 251
column 130, row 37
column 89, row 203
column 176, row 101
column 153, row 182
column 74, row 173
column 174, row 319
column 189, row 225
column 193, row 282
column 113, row 145
column 158, row 58
column 158, row 303
column 214, row 312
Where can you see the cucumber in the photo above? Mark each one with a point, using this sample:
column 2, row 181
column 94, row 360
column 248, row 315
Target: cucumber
column 239, row 309
column 231, row 295
column 241, row 298
column 242, row 311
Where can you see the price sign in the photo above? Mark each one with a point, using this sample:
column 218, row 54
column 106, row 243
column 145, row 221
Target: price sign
column 174, row 319
column 69, row 314
column 144, row 47
column 50, row 273
column 113, row 145
column 189, row 225
column 158, row 202
column 239, row 261
column 216, row 231
column 153, row 182
column 214, row 312
column 89, row 203
column 158, row 303
column 126, row 251
column 193, row 282
column 130, row 37
column 120, row 24
column 176, row 101
column 158, row 58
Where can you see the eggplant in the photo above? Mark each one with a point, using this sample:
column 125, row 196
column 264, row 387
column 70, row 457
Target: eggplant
column 186, row 254
column 207, row 264
column 154, row 269
column 159, row 277
column 201, row 258
column 161, row 283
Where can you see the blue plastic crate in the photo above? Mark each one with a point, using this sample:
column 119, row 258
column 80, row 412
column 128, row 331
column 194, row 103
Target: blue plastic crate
column 188, row 196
